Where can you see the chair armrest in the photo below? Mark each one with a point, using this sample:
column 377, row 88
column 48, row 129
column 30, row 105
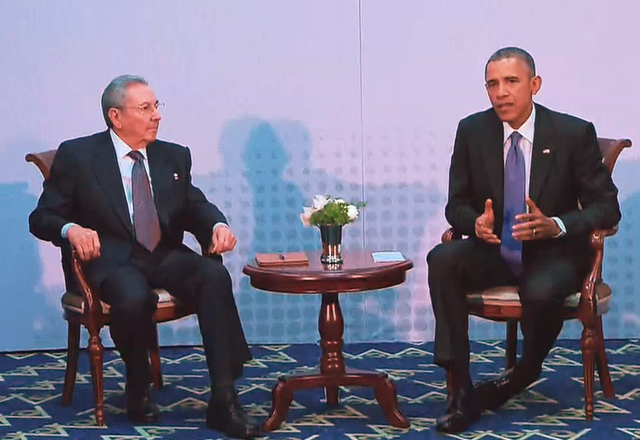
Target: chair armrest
column 588, row 303
column 602, row 233
column 90, row 296
column 450, row 235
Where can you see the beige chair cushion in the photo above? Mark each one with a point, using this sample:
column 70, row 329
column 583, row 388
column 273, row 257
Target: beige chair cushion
column 508, row 295
column 74, row 302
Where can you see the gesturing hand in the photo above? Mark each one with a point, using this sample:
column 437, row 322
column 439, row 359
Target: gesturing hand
column 222, row 240
column 484, row 224
column 85, row 242
column 534, row 225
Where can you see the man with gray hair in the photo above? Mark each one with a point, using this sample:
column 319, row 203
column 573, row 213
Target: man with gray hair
column 122, row 200
column 527, row 185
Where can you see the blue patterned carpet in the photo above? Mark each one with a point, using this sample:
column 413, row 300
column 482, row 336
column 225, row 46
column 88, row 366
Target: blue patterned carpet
column 31, row 386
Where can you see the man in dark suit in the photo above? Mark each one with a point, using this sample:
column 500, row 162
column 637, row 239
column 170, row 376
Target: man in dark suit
column 526, row 185
column 128, row 230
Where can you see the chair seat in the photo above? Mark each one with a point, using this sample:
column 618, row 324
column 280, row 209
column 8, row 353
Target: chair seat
column 508, row 296
column 74, row 302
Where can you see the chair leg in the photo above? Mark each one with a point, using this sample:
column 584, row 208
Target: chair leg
column 95, row 360
column 602, row 364
column 73, row 349
column 512, row 344
column 154, row 357
column 589, row 346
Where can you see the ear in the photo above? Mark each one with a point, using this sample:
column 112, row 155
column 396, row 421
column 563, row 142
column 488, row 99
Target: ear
column 536, row 83
column 114, row 116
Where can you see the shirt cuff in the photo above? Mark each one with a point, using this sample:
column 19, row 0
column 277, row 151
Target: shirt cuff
column 219, row 224
column 563, row 229
column 65, row 229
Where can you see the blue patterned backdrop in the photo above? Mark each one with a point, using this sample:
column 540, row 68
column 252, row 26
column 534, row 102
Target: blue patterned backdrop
column 282, row 100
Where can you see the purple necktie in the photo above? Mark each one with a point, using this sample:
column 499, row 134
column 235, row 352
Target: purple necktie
column 510, row 248
column 145, row 217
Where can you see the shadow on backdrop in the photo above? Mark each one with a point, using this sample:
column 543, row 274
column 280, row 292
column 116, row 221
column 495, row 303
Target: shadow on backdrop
column 263, row 203
column 28, row 319
column 266, row 179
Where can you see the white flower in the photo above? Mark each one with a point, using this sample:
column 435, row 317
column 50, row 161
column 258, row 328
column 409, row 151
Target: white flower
column 305, row 217
column 341, row 201
column 319, row 201
column 352, row 212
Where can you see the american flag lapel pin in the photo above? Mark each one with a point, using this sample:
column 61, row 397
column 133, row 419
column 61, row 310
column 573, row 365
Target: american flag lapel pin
column 175, row 176
column 546, row 151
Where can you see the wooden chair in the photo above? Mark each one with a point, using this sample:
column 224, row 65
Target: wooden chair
column 82, row 306
column 503, row 304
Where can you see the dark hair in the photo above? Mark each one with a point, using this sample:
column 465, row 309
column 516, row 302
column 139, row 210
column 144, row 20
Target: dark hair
column 113, row 95
column 512, row 52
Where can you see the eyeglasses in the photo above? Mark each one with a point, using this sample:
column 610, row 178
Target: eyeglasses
column 147, row 108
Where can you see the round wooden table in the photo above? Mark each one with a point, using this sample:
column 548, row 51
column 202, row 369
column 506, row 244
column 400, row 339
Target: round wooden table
column 358, row 273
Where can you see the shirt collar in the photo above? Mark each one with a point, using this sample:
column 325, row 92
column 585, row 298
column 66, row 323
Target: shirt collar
column 122, row 149
column 526, row 130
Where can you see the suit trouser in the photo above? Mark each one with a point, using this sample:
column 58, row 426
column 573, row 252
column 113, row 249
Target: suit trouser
column 192, row 279
column 463, row 266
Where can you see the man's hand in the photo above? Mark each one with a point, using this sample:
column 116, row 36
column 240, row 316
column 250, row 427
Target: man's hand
column 484, row 224
column 85, row 242
column 222, row 240
column 534, row 225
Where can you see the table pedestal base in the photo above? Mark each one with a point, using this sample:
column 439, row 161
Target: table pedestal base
column 333, row 373
column 385, row 393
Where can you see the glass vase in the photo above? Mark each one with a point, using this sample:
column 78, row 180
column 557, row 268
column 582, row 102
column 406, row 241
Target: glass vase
column 331, row 236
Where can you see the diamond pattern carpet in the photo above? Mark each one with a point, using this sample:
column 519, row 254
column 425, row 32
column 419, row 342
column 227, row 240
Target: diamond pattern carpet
column 552, row 408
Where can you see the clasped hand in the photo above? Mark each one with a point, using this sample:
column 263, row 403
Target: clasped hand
column 85, row 242
column 533, row 225
column 222, row 240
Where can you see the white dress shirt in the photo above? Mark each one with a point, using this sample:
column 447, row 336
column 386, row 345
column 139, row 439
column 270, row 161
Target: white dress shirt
column 527, row 131
column 125, row 163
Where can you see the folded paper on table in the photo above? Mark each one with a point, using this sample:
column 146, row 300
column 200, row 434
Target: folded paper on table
column 387, row 257
column 282, row 259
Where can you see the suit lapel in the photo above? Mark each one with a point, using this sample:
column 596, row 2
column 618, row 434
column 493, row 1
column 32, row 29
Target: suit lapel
column 493, row 153
column 542, row 154
column 161, row 178
column 107, row 171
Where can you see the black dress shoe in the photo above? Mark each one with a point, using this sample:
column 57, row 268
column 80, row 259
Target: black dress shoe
column 494, row 393
column 142, row 410
column 464, row 411
column 225, row 414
